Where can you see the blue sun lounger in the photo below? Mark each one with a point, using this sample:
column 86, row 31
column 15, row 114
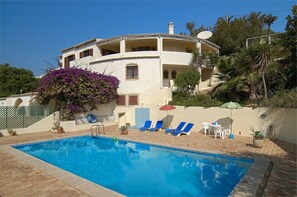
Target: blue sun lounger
column 185, row 131
column 179, row 127
column 158, row 126
column 146, row 126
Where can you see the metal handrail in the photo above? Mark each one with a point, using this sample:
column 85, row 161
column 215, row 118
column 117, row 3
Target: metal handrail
column 97, row 129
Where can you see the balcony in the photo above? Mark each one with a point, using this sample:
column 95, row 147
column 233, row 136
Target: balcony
column 176, row 58
column 127, row 55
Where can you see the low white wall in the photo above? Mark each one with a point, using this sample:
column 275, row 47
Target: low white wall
column 69, row 126
column 47, row 123
column 283, row 121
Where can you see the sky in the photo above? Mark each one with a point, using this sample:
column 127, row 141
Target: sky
column 33, row 33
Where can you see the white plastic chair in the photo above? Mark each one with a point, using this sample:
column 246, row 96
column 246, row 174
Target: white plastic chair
column 219, row 132
column 205, row 127
column 227, row 130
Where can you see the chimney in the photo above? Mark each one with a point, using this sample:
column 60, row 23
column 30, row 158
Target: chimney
column 170, row 28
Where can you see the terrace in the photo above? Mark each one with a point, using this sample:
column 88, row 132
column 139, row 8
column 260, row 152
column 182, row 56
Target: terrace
column 19, row 178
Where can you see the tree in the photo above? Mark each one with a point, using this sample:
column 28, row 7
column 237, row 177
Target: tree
column 269, row 20
column 289, row 41
column 260, row 59
column 186, row 82
column 231, row 33
column 190, row 26
column 16, row 80
column 208, row 59
column 233, row 85
column 255, row 23
column 75, row 90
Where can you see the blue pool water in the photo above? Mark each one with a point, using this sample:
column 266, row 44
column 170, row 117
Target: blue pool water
column 138, row 169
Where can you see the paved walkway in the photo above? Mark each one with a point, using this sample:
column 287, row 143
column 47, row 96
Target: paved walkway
column 20, row 179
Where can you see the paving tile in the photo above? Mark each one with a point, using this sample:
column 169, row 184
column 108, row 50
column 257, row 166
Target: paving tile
column 17, row 178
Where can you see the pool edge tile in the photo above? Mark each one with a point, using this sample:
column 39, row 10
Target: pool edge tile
column 252, row 179
column 73, row 180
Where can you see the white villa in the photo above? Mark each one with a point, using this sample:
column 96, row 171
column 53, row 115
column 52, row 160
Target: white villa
column 145, row 64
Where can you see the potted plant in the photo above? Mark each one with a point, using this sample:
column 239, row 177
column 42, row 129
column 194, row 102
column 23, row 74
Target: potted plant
column 58, row 127
column 122, row 119
column 124, row 130
column 258, row 140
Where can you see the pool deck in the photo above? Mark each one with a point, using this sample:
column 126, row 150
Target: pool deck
column 21, row 178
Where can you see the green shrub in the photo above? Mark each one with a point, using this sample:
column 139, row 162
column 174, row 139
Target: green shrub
column 283, row 99
column 203, row 100
column 186, row 81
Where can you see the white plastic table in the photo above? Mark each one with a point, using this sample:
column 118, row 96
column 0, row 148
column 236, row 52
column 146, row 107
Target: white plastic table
column 216, row 128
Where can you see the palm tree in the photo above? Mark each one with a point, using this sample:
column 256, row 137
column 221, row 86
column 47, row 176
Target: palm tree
column 224, row 21
column 269, row 20
column 255, row 21
column 230, row 78
column 242, row 64
column 260, row 58
column 191, row 27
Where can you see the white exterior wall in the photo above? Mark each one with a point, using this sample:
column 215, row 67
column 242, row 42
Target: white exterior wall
column 282, row 120
column 81, row 62
column 11, row 101
column 147, row 86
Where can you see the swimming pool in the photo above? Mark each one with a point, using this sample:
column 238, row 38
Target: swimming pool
column 139, row 169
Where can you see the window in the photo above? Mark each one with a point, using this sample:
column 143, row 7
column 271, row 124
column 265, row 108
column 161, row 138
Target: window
column 173, row 74
column 131, row 71
column 165, row 74
column 122, row 100
column 67, row 60
column 133, row 99
column 86, row 53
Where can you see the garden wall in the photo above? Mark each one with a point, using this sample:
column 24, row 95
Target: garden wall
column 279, row 123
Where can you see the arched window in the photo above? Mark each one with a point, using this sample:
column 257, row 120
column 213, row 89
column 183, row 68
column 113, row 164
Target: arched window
column 165, row 74
column 173, row 74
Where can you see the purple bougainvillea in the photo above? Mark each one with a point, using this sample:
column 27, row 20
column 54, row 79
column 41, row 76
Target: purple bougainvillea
column 77, row 90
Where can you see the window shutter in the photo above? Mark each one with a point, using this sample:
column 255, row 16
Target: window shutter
column 133, row 100
column 91, row 52
column 122, row 100
column 80, row 54
column 66, row 62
